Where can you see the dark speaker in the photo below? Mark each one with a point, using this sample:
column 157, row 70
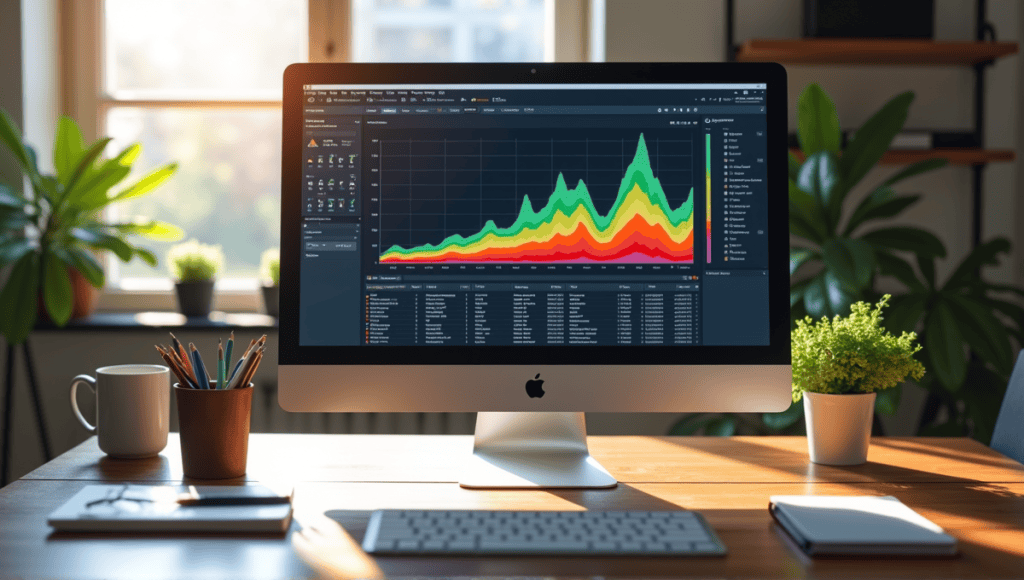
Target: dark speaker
column 869, row 18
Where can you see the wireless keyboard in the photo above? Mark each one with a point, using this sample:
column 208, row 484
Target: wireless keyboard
column 547, row 533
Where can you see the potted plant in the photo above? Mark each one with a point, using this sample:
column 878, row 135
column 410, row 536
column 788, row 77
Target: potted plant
column 194, row 267
column 838, row 365
column 50, row 234
column 270, row 271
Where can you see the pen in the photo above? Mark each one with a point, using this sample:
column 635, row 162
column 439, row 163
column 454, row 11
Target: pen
column 227, row 355
column 200, row 368
column 220, row 365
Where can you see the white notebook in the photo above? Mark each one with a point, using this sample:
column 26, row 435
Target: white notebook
column 859, row 526
column 155, row 508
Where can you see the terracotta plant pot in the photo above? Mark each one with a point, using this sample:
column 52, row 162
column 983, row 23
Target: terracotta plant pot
column 839, row 427
column 271, row 297
column 85, row 296
column 195, row 298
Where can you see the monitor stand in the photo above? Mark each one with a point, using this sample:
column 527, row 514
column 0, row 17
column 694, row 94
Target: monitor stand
column 533, row 450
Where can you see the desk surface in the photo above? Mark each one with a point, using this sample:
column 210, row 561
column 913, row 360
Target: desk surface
column 976, row 494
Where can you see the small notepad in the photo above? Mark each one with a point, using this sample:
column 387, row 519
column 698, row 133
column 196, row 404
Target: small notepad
column 155, row 508
column 859, row 526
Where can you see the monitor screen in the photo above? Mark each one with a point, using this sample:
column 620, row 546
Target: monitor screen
column 546, row 215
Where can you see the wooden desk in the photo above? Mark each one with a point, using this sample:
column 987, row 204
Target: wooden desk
column 974, row 493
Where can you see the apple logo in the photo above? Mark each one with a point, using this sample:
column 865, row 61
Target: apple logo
column 535, row 387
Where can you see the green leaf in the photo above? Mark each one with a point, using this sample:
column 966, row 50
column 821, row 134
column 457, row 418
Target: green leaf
column 92, row 194
column 85, row 163
column 19, row 299
column 148, row 183
column 819, row 177
column 13, row 219
column 146, row 256
column 907, row 239
column 903, row 313
column 794, row 166
column 817, row 121
column 872, row 140
column 153, row 230
column 805, row 215
column 56, row 289
column 826, row 295
column 851, row 261
column 944, row 346
column 916, row 169
column 11, row 137
column 986, row 254
column 12, row 250
column 796, row 292
column 984, row 333
column 721, row 427
column 97, row 239
column 8, row 198
column 887, row 401
column 890, row 265
column 798, row 257
column 881, row 204
column 926, row 264
column 67, row 148
column 690, row 424
column 1012, row 311
column 785, row 419
column 86, row 265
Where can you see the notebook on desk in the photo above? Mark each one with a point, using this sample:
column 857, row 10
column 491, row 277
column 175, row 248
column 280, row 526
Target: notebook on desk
column 163, row 508
column 859, row 526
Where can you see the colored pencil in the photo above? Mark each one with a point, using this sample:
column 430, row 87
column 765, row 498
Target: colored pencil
column 183, row 378
column 183, row 354
column 227, row 353
column 252, row 371
column 235, row 372
column 200, row 368
column 240, row 375
column 220, row 365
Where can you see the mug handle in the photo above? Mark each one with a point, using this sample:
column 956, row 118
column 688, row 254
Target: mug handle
column 74, row 402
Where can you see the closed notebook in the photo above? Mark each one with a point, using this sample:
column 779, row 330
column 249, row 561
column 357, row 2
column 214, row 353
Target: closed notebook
column 859, row 526
column 155, row 508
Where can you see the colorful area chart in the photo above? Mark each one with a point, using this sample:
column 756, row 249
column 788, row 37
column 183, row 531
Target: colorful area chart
column 639, row 228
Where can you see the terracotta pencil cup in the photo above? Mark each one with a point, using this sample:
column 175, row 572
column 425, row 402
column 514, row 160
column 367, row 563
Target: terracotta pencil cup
column 214, row 426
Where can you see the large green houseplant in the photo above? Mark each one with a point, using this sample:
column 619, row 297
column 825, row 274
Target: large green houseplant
column 56, row 227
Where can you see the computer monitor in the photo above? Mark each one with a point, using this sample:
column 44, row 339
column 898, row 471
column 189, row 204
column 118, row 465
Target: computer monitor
column 533, row 241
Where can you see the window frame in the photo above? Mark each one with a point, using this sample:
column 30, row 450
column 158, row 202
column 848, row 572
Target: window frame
column 83, row 97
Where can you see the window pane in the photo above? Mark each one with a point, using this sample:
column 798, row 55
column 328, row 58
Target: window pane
column 448, row 30
column 227, row 188
column 219, row 49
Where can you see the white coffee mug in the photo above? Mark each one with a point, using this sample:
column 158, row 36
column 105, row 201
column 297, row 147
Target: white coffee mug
column 133, row 408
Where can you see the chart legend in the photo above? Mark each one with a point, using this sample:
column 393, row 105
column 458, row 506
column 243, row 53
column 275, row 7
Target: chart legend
column 639, row 228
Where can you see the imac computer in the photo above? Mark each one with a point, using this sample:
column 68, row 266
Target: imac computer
column 531, row 242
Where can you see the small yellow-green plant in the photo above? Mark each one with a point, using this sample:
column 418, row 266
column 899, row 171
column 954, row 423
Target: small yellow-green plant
column 270, row 266
column 194, row 262
column 853, row 354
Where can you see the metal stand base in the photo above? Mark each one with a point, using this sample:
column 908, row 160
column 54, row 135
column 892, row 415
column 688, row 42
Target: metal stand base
column 533, row 450
column 37, row 403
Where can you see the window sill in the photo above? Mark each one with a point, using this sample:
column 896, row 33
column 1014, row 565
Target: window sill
column 120, row 300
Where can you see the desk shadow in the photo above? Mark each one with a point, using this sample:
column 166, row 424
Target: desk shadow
column 975, row 458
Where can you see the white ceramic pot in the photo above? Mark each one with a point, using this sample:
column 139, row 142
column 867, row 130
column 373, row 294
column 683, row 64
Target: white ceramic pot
column 839, row 427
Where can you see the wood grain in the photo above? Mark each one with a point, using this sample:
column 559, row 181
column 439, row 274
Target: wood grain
column 986, row 518
column 632, row 459
column 872, row 51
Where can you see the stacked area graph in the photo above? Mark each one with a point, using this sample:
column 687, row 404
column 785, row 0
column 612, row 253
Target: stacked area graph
column 639, row 228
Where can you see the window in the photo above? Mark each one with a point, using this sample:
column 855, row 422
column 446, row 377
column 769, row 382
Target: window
column 199, row 82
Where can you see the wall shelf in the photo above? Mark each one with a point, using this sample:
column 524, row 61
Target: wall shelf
column 868, row 51
column 955, row 155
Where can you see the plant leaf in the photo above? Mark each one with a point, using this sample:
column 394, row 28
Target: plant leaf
column 851, row 261
column 944, row 346
column 805, row 215
column 13, row 219
column 887, row 401
column 817, row 121
column 8, row 198
column 903, row 313
column 12, row 250
column 890, row 265
column 872, row 140
column 153, row 230
column 11, row 137
column 147, row 183
column 926, row 264
column 724, row 426
column 826, row 295
column 19, row 299
column 93, row 192
column 97, row 239
column 796, row 292
column 85, row 163
column 984, row 333
column 86, row 265
column 798, row 257
column 985, row 254
column 56, row 289
column 690, row 424
column 146, row 256
column 916, row 169
column 881, row 204
column 785, row 419
column 907, row 239
column 67, row 148
column 819, row 177
column 794, row 166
